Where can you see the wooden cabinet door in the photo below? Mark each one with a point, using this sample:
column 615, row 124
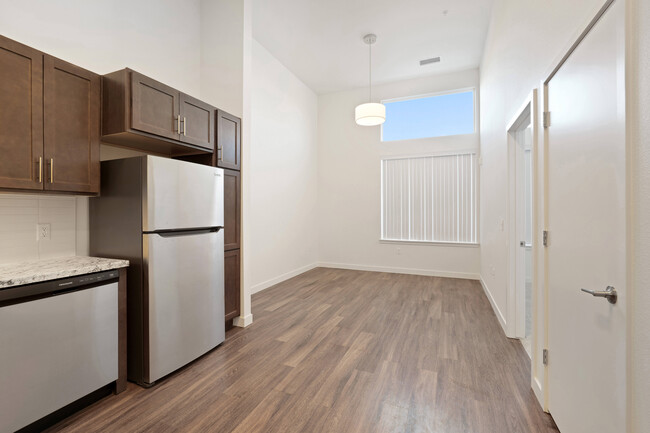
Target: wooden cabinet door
column 71, row 101
column 197, row 122
column 21, row 111
column 232, row 283
column 228, row 154
column 155, row 107
column 231, row 209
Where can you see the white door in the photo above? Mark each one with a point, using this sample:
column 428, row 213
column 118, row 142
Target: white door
column 587, row 224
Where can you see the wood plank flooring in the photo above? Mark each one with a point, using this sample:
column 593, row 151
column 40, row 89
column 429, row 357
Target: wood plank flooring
column 344, row 351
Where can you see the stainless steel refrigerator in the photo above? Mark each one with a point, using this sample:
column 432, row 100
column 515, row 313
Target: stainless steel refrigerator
column 166, row 217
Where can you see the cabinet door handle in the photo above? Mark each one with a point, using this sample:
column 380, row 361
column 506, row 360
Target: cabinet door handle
column 185, row 126
column 51, row 170
column 40, row 169
column 220, row 153
column 178, row 123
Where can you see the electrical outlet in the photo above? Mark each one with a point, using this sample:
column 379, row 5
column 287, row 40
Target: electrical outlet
column 399, row 251
column 43, row 231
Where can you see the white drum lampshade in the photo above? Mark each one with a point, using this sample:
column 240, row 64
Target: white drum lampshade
column 370, row 114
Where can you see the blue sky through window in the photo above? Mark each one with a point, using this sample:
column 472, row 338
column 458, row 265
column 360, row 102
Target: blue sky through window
column 431, row 116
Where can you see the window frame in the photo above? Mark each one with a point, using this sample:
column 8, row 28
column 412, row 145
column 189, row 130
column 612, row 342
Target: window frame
column 465, row 151
column 432, row 94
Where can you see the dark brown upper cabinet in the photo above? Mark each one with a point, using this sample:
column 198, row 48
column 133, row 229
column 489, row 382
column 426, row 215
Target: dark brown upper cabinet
column 142, row 113
column 21, row 108
column 71, row 101
column 228, row 154
column 155, row 107
column 53, row 108
column 197, row 122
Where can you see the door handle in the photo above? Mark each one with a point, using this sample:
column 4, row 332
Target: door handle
column 51, row 170
column 220, row 153
column 40, row 169
column 609, row 293
column 524, row 244
column 184, row 126
column 178, row 123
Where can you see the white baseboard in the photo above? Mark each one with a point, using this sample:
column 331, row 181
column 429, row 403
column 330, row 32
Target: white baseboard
column 280, row 278
column 497, row 312
column 537, row 390
column 242, row 321
column 410, row 271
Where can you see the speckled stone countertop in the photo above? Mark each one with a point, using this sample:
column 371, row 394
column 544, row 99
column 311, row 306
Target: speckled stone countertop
column 17, row 274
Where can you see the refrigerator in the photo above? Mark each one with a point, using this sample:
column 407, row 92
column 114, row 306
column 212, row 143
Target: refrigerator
column 166, row 217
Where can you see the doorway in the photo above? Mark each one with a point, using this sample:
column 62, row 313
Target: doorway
column 521, row 137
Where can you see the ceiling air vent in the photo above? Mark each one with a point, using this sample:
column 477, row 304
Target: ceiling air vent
column 431, row 60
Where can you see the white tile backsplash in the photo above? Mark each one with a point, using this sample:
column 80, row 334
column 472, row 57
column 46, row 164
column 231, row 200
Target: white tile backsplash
column 19, row 216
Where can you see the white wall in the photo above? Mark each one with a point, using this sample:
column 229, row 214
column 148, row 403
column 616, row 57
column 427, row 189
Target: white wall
column 349, row 184
column 523, row 40
column 159, row 38
column 283, row 220
column 222, row 55
column 246, row 318
column 638, row 116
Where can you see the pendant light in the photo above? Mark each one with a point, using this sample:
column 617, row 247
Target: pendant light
column 370, row 113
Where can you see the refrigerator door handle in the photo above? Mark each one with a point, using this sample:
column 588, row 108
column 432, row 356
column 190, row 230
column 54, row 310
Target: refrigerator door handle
column 189, row 232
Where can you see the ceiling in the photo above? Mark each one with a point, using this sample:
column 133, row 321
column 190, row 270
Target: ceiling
column 321, row 40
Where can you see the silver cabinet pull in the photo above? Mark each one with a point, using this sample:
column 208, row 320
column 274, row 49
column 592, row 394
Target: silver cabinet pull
column 178, row 123
column 609, row 293
column 40, row 169
column 220, row 153
column 51, row 170
column 185, row 126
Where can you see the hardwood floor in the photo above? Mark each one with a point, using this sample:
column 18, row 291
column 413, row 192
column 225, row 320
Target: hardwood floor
column 345, row 351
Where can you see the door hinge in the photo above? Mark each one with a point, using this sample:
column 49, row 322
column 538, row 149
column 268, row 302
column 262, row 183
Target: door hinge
column 545, row 238
column 547, row 119
column 545, row 356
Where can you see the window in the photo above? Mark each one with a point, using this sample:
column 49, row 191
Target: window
column 429, row 199
column 429, row 116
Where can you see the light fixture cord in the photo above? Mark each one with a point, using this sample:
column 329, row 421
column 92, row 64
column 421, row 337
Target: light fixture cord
column 370, row 72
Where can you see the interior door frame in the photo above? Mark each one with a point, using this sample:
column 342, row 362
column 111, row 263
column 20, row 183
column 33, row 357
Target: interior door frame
column 516, row 317
column 539, row 308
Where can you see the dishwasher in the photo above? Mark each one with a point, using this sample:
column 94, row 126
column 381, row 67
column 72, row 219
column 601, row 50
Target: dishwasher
column 58, row 344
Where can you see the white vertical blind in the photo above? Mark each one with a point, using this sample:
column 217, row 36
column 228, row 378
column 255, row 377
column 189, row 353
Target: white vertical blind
column 429, row 199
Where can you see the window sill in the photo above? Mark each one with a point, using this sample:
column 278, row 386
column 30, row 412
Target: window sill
column 440, row 244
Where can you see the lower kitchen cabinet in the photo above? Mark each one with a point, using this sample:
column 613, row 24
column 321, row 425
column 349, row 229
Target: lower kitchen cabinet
column 232, row 285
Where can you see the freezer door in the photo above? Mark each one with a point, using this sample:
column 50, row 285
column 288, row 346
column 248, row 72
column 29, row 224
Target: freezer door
column 181, row 195
column 184, row 283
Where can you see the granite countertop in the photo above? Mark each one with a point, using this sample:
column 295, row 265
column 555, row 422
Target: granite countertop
column 17, row 274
